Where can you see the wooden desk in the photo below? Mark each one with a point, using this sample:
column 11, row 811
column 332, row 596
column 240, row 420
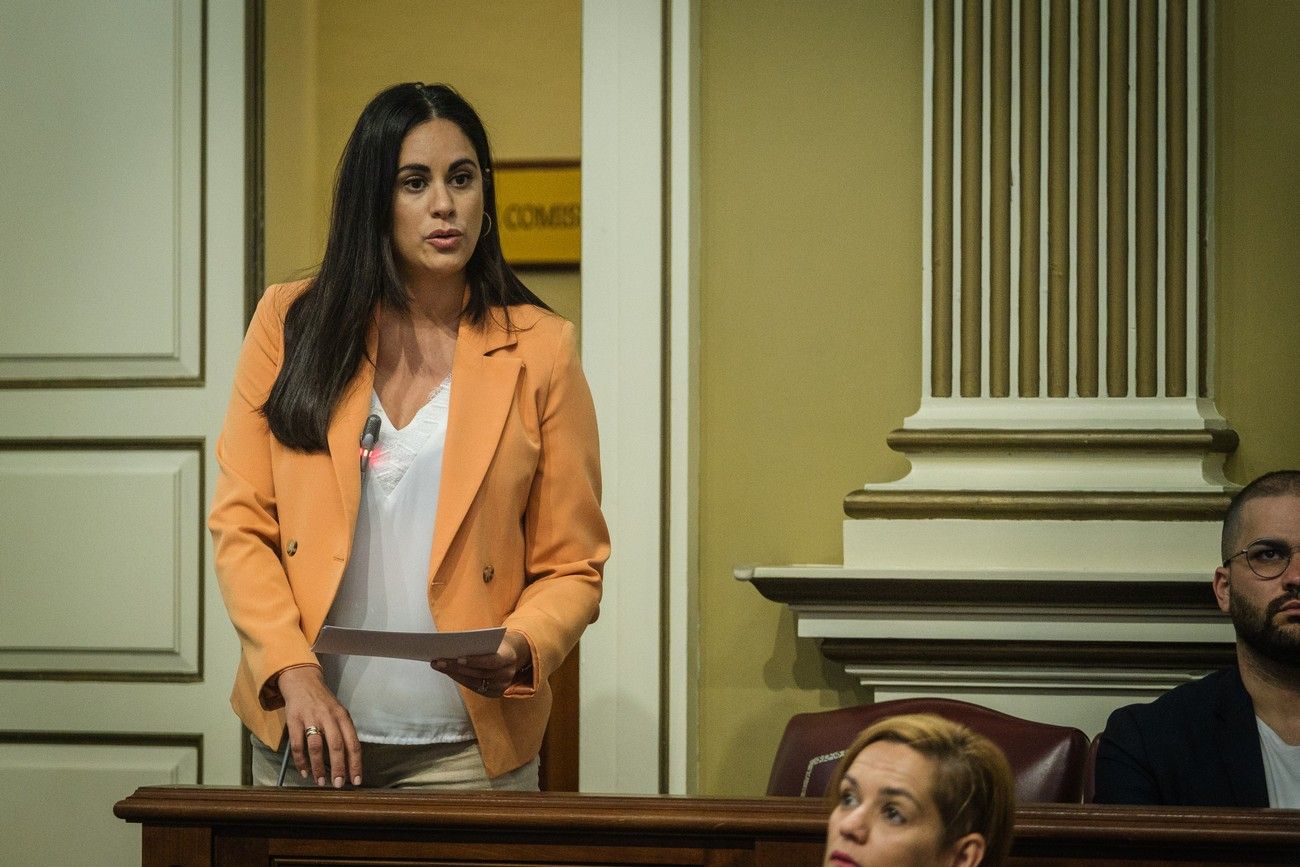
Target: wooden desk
column 208, row 826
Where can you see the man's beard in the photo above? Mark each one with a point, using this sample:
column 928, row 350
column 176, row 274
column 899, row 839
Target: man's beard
column 1259, row 631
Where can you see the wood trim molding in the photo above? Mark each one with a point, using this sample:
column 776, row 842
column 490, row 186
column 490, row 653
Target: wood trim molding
column 1041, row 505
column 864, row 623
column 650, row 825
column 254, row 155
column 1181, row 598
column 977, row 439
column 1162, row 656
column 558, row 767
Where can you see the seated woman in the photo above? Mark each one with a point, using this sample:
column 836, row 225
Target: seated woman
column 920, row 790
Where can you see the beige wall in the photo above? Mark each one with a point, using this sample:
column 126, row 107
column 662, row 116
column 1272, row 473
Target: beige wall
column 1257, row 222
column 518, row 63
column 295, row 233
column 810, row 310
column 810, row 320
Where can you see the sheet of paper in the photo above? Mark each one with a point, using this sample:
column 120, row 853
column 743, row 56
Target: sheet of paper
column 424, row 646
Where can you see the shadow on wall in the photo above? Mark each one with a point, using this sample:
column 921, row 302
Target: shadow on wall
column 801, row 660
column 754, row 736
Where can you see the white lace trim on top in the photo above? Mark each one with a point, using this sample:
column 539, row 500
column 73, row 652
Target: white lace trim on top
column 398, row 448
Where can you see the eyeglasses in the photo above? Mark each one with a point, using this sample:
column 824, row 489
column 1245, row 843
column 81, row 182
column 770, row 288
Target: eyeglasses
column 1266, row 559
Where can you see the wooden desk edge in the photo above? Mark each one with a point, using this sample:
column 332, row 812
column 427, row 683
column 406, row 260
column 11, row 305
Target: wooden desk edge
column 796, row 817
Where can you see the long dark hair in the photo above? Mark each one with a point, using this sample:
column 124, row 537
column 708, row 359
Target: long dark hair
column 325, row 327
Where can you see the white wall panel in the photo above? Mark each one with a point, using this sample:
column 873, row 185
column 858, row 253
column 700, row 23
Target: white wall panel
column 122, row 127
column 622, row 254
column 101, row 197
column 80, row 782
column 118, row 532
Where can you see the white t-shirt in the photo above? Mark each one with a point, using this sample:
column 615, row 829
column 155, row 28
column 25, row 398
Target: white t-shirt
column 1281, row 768
column 386, row 586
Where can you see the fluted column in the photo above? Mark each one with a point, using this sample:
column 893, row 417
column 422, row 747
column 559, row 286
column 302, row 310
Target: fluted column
column 1031, row 115
column 1065, row 290
column 1058, row 525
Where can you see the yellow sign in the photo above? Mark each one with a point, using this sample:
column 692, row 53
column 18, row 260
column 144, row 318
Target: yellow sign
column 540, row 211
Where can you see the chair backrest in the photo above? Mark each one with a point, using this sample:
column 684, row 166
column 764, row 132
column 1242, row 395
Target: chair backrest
column 1090, row 771
column 1047, row 760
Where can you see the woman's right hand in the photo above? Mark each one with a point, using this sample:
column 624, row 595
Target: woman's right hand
column 308, row 702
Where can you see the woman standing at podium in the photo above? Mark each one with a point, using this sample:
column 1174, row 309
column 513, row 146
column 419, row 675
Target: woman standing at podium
column 478, row 506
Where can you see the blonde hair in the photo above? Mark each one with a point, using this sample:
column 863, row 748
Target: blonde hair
column 973, row 787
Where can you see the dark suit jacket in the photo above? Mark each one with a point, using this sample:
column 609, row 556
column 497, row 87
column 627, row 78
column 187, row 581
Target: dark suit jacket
column 1197, row 745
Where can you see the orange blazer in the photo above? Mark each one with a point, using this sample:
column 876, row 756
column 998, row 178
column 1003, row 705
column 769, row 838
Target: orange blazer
column 519, row 540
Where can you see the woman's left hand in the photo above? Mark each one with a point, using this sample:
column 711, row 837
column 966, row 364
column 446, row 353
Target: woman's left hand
column 491, row 674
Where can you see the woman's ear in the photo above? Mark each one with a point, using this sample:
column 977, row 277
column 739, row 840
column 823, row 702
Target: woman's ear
column 968, row 851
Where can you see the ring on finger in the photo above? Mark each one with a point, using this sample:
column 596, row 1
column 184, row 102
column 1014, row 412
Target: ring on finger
column 309, row 731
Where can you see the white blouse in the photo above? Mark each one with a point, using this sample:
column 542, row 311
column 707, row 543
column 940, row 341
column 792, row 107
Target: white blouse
column 386, row 586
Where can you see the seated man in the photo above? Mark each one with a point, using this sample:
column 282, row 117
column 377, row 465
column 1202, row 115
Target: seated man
column 1231, row 739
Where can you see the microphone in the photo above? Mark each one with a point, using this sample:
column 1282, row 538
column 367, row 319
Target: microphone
column 369, row 436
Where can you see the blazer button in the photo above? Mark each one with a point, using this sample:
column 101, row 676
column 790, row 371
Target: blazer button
column 488, row 573
column 292, row 547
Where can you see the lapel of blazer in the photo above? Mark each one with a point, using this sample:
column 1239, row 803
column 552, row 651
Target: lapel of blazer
column 345, row 432
column 1238, row 740
column 482, row 389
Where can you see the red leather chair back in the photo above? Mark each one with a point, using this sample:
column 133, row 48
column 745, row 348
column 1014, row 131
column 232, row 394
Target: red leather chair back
column 1048, row 761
